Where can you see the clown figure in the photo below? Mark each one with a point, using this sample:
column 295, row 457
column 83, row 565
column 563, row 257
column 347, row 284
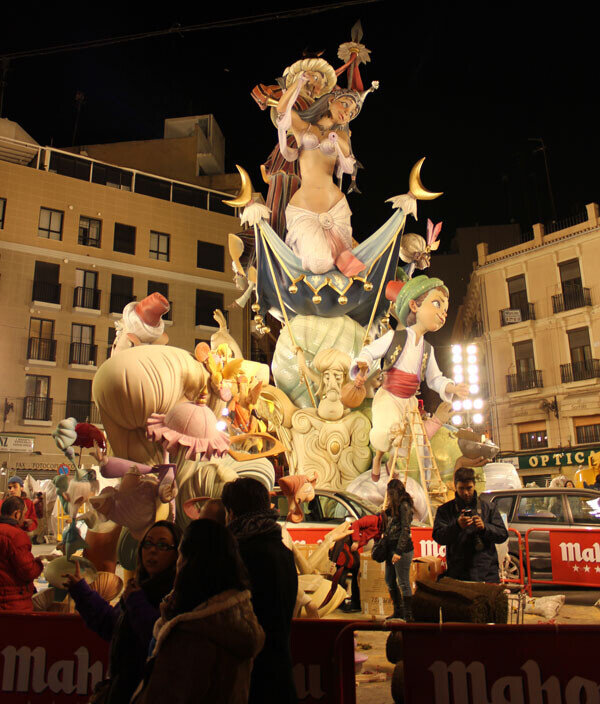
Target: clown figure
column 421, row 305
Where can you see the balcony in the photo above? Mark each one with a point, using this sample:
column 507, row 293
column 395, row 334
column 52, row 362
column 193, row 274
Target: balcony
column 42, row 350
column 83, row 353
column 118, row 301
column 524, row 381
column 46, row 292
column 86, row 298
column 509, row 316
column 37, row 408
column 572, row 297
column 80, row 410
column 579, row 371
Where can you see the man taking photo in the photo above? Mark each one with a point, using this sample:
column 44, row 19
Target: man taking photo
column 470, row 528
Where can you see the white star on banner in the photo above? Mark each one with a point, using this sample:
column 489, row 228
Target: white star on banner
column 587, row 568
column 575, row 568
column 597, row 569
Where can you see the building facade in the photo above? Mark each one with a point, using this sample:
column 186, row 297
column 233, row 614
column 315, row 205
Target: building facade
column 534, row 311
column 79, row 239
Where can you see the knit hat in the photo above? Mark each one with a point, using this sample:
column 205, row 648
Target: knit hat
column 402, row 293
column 16, row 480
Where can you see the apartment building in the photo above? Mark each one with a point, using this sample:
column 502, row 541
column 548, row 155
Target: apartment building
column 534, row 311
column 79, row 239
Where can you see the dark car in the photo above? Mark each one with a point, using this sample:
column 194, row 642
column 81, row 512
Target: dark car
column 527, row 508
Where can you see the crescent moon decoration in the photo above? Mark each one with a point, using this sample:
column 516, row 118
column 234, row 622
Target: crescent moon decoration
column 415, row 185
column 245, row 195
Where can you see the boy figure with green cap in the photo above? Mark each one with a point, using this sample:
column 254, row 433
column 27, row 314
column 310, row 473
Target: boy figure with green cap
column 421, row 306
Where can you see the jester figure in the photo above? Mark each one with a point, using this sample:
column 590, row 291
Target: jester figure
column 421, row 306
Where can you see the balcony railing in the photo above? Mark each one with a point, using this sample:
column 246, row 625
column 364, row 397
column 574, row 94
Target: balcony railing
column 578, row 371
column 82, row 353
column 46, row 291
column 508, row 316
column 37, row 408
column 572, row 297
column 80, row 410
column 95, row 415
column 118, row 301
column 41, row 349
column 524, row 381
column 86, row 298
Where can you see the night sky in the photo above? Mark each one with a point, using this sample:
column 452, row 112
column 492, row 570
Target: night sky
column 464, row 87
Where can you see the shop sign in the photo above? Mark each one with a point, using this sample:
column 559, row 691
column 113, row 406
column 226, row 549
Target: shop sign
column 575, row 557
column 46, row 466
column 14, row 443
column 511, row 315
column 556, row 458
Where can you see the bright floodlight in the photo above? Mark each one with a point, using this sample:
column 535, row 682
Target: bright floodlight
column 456, row 406
column 459, row 378
column 456, row 420
column 467, row 404
column 478, row 419
column 473, row 389
column 478, row 403
column 458, row 369
column 472, row 359
column 225, row 411
column 221, row 425
column 457, row 358
column 472, row 369
column 456, row 349
column 472, row 349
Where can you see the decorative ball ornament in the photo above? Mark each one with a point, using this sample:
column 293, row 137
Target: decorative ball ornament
column 316, row 299
column 293, row 288
column 258, row 320
column 368, row 286
column 265, row 330
column 255, row 307
column 342, row 300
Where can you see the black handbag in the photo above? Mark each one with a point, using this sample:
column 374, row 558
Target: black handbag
column 379, row 553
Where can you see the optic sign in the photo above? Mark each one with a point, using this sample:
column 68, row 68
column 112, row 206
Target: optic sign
column 575, row 556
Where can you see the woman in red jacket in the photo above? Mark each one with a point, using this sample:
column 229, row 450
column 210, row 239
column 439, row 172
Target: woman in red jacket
column 18, row 567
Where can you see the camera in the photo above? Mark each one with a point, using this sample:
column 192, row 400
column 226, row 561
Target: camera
column 468, row 512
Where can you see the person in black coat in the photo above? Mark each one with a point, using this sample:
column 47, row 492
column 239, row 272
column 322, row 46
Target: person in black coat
column 470, row 528
column 273, row 583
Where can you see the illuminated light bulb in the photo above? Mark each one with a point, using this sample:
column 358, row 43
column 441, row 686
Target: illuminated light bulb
column 473, row 389
column 478, row 403
column 457, row 358
column 458, row 369
column 221, row 425
column 478, row 418
column 472, row 359
column 456, row 349
column 457, row 406
column 225, row 412
column 456, row 420
column 459, row 378
column 467, row 404
column 472, row 349
column 472, row 369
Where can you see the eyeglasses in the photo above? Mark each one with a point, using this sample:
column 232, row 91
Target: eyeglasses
column 163, row 547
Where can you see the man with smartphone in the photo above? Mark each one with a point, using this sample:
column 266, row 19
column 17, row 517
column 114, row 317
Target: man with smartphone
column 470, row 528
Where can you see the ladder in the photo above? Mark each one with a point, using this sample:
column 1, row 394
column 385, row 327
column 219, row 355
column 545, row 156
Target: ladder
column 413, row 430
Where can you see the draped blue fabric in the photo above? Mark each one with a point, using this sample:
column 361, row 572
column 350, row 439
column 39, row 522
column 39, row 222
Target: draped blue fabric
column 278, row 267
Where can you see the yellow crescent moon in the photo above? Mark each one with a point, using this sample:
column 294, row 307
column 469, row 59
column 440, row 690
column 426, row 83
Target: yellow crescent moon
column 415, row 185
column 245, row 194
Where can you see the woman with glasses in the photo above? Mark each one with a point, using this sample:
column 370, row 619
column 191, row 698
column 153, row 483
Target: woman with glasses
column 128, row 626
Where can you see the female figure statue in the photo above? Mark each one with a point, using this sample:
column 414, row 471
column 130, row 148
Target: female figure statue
column 318, row 216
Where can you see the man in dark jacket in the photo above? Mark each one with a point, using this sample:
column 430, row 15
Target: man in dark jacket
column 274, row 586
column 470, row 528
column 15, row 488
column 18, row 567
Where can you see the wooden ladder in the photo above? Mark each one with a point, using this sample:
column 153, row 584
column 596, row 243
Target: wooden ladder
column 434, row 486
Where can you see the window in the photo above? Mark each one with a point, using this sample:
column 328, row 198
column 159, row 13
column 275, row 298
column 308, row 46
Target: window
column 210, row 256
column 159, row 246
column 79, row 395
column 70, row 166
column 2, row 212
column 206, row 303
column 51, row 224
column 524, row 357
column 89, row 232
column 83, row 349
column 86, row 294
column 532, row 435
column 579, row 345
column 124, row 240
column 543, row 509
column 112, row 333
column 587, row 429
column 504, row 504
column 517, row 292
column 163, row 289
column 45, row 283
column 155, row 187
column 584, row 509
column 121, row 292
column 570, row 275
column 41, row 344
column 111, row 176
column 37, row 404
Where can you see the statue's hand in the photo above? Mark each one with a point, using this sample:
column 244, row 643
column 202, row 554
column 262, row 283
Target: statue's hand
column 99, row 454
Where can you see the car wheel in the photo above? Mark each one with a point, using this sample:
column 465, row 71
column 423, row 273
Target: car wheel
column 511, row 568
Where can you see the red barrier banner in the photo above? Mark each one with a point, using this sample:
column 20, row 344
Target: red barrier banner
column 56, row 659
column 478, row 664
column 49, row 658
column 575, row 556
column 425, row 545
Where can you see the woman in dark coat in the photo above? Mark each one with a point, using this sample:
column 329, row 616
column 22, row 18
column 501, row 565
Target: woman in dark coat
column 398, row 508
column 128, row 626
